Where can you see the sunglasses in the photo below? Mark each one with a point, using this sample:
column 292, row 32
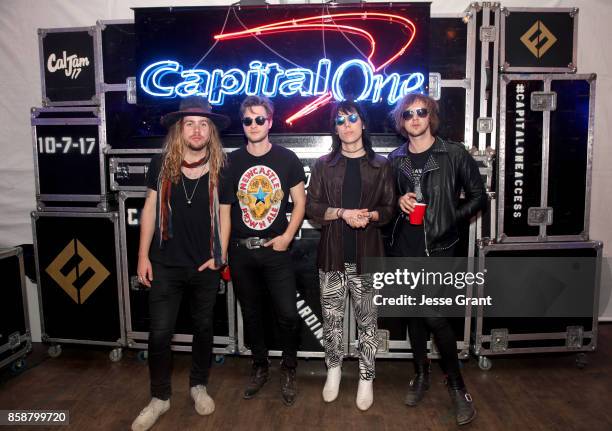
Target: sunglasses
column 341, row 119
column 259, row 120
column 420, row 112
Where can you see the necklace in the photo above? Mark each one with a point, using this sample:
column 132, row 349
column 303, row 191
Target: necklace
column 352, row 151
column 189, row 198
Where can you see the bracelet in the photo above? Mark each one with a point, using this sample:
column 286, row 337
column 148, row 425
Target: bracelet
column 340, row 212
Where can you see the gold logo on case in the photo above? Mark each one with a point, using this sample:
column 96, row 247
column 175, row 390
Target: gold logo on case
column 538, row 39
column 88, row 261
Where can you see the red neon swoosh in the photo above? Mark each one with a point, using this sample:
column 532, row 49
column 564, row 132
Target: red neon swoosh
column 314, row 23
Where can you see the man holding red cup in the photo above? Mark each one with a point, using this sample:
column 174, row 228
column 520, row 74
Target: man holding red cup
column 430, row 173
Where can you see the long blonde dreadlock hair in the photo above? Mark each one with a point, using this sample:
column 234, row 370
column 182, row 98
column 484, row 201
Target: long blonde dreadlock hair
column 174, row 148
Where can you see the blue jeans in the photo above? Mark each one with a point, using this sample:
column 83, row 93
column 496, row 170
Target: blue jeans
column 167, row 289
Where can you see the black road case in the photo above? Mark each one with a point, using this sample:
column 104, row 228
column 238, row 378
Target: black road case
column 516, row 335
column 79, row 284
column 15, row 338
column 545, row 157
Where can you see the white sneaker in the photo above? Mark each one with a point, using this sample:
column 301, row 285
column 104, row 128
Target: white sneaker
column 332, row 384
column 365, row 395
column 204, row 404
column 149, row 415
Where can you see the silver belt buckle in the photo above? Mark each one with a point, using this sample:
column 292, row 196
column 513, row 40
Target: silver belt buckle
column 253, row 243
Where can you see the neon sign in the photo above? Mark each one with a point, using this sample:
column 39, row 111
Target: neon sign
column 168, row 78
column 270, row 79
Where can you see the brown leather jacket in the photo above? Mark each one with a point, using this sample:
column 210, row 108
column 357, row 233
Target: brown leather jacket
column 325, row 191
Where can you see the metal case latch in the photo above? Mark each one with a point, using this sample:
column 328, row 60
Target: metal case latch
column 434, row 85
column 543, row 101
column 499, row 340
column 14, row 340
column 131, row 90
column 537, row 216
column 574, row 337
column 488, row 33
column 484, row 125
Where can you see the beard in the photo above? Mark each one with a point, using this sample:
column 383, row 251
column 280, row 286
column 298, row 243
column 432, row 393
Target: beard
column 197, row 146
column 417, row 133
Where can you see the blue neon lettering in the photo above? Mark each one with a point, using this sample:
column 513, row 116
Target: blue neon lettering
column 276, row 71
column 195, row 83
column 380, row 82
column 323, row 69
column 254, row 78
column 168, row 79
column 367, row 77
column 151, row 76
column 298, row 80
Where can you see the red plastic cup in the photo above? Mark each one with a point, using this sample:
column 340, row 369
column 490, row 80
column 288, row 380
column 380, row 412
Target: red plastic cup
column 416, row 216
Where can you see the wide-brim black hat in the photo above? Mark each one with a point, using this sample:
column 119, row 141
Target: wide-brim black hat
column 196, row 106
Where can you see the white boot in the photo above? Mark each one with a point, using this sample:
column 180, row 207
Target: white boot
column 204, row 404
column 149, row 415
column 365, row 395
column 332, row 384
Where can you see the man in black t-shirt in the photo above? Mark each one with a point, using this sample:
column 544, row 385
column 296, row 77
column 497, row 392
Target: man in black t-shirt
column 257, row 183
column 180, row 249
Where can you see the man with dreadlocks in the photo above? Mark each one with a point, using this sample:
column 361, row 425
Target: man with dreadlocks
column 180, row 248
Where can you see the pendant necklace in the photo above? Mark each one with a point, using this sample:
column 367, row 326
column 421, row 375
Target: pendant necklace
column 189, row 198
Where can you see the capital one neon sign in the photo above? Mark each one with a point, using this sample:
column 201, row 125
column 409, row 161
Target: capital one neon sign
column 169, row 79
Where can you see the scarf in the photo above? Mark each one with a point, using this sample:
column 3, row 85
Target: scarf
column 164, row 212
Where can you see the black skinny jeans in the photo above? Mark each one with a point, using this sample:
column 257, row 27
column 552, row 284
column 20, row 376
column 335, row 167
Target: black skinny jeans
column 255, row 272
column 167, row 289
column 444, row 337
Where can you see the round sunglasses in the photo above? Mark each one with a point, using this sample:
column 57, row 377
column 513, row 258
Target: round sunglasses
column 259, row 120
column 420, row 112
column 341, row 119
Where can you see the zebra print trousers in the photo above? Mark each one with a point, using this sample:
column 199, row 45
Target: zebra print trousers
column 335, row 286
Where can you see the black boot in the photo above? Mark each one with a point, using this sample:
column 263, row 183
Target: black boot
column 418, row 385
column 259, row 376
column 288, row 385
column 462, row 401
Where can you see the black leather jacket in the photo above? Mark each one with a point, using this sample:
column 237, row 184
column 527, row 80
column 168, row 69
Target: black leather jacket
column 449, row 169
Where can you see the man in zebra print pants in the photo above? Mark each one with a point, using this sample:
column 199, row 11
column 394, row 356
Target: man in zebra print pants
column 351, row 194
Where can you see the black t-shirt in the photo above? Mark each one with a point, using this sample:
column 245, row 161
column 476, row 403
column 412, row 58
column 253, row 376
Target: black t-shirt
column 258, row 190
column 413, row 236
column 190, row 243
column 351, row 196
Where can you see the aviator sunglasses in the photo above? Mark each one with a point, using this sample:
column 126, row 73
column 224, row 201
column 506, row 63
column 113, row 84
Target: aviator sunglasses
column 420, row 112
column 259, row 120
column 341, row 119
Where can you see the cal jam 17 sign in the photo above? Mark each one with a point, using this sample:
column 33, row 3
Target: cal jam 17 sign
column 302, row 58
column 68, row 66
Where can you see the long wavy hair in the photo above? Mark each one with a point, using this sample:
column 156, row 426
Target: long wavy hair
column 349, row 107
column 174, row 149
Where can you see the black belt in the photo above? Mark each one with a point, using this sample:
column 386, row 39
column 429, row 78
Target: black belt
column 251, row 242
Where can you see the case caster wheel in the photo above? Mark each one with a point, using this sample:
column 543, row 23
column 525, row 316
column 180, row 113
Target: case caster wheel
column 219, row 359
column 55, row 350
column 18, row 366
column 115, row 355
column 581, row 360
column 142, row 356
column 484, row 363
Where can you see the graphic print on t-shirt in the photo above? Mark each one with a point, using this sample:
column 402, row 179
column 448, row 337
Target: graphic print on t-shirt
column 260, row 195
